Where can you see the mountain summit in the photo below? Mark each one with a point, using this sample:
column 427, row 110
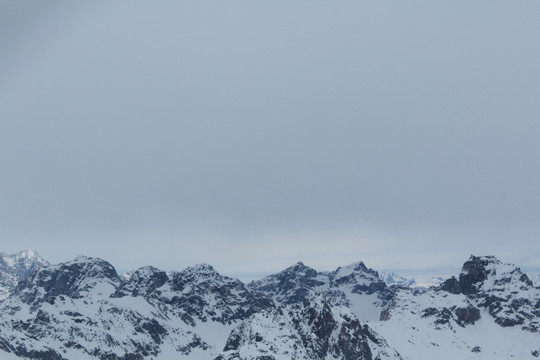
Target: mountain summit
column 17, row 267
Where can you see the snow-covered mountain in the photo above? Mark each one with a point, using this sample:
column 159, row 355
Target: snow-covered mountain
column 393, row 279
column 311, row 329
column 83, row 309
column 491, row 311
column 354, row 286
column 17, row 267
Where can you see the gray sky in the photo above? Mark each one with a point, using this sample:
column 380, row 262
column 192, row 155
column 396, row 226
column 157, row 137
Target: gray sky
column 254, row 134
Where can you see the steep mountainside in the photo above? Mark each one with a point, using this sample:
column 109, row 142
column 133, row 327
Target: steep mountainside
column 17, row 267
column 312, row 329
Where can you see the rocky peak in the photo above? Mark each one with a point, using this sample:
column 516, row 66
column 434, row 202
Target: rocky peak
column 356, row 274
column 24, row 259
column 17, row 267
column 474, row 272
column 297, row 272
column 299, row 267
column 503, row 289
column 486, row 273
column 201, row 273
column 290, row 285
column 202, row 277
column 74, row 279
column 355, row 280
column 142, row 282
column 201, row 294
column 355, row 286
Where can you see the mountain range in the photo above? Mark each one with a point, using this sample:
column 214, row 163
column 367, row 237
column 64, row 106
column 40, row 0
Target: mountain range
column 83, row 309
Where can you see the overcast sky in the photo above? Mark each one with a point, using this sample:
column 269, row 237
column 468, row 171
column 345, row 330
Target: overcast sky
column 254, row 134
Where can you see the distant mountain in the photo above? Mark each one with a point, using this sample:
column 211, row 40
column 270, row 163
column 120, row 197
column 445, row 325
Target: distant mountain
column 17, row 267
column 391, row 278
column 82, row 309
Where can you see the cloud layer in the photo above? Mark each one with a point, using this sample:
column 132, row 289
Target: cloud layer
column 253, row 135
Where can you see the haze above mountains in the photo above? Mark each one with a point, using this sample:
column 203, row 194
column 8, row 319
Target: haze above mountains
column 404, row 132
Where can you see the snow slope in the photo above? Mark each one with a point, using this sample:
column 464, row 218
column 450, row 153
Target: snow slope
column 432, row 325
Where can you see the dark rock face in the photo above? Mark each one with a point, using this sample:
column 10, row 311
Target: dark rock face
column 468, row 315
column 353, row 341
column 451, row 285
column 473, row 274
column 321, row 322
column 155, row 330
column 446, row 316
column 442, row 316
